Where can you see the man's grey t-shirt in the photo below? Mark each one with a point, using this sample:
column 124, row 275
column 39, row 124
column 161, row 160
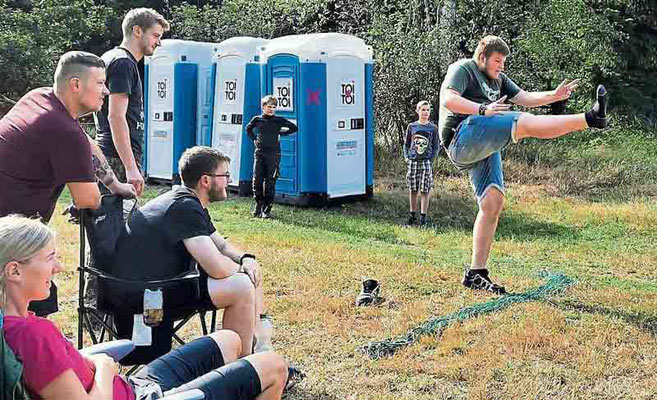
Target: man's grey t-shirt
column 122, row 77
column 465, row 77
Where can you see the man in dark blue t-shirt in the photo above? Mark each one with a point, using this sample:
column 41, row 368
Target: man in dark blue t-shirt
column 475, row 125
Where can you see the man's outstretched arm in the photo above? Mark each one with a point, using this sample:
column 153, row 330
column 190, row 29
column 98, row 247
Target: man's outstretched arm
column 251, row 266
column 537, row 99
column 460, row 105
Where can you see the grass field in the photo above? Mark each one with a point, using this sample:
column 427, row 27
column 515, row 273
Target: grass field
column 597, row 341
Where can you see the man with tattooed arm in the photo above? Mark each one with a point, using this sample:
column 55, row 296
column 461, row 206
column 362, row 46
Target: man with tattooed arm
column 43, row 148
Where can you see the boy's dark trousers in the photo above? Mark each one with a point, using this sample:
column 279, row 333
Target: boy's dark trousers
column 265, row 173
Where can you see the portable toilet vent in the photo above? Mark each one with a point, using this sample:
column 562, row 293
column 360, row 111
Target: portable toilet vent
column 236, row 74
column 178, row 99
column 324, row 83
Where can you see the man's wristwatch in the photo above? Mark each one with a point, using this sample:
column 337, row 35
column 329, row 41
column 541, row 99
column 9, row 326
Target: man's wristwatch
column 246, row 255
column 482, row 109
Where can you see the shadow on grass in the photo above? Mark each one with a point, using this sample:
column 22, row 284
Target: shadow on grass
column 522, row 227
column 641, row 320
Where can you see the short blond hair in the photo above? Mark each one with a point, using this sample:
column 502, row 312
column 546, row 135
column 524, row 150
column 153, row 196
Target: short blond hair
column 421, row 104
column 143, row 18
column 269, row 99
column 491, row 44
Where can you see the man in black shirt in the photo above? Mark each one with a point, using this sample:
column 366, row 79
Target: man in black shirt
column 264, row 130
column 475, row 125
column 120, row 122
column 165, row 234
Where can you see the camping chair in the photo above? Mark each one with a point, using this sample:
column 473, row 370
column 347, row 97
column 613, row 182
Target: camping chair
column 106, row 313
column 12, row 387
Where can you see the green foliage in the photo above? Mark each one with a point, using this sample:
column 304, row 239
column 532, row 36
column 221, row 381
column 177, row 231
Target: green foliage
column 32, row 41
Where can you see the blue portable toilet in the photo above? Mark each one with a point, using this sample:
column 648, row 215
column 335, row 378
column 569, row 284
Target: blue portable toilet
column 324, row 83
column 178, row 104
column 236, row 73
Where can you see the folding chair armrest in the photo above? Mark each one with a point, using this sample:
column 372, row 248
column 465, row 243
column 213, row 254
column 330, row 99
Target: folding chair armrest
column 116, row 349
column 193, row 394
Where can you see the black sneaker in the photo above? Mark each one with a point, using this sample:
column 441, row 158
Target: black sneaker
column 478, row 279
column 294, row 376
column 266, row 210
column 424, row 221
column 257, row 210
column 597, row 116
column 411, row 220
column 369, row 294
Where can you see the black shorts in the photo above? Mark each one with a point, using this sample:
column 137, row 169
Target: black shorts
column 200, row 365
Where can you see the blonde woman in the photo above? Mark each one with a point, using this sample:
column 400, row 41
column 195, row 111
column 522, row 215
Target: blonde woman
column 54, row 369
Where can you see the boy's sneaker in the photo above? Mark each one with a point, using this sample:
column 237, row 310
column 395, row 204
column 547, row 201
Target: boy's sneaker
column 257, row 210
column 424, row 221
column 411, row 220
column 369, row 294
column 266, row 210
column 478, row 279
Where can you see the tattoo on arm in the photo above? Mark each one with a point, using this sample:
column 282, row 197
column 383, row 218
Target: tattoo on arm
column 103, row 171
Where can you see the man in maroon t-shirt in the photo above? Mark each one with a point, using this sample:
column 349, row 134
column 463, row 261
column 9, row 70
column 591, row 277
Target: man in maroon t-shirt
column 43, row 147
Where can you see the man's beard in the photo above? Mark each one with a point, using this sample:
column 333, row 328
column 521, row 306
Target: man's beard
column 216, row 195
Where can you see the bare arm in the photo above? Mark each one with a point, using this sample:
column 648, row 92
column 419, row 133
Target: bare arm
column 536, row 99
column 117, row 108
column 213, row 262
column 67, row 386
column 84, row 194
column 250, row 265
column 460, row 105
column 105, row 174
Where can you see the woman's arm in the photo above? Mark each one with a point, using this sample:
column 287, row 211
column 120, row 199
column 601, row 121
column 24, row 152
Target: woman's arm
column 67, row 385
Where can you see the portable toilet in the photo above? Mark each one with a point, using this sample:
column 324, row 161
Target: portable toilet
column 178, row 104
column 324, row 83
column 236, row 74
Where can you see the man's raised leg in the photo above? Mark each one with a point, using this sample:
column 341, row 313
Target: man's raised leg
column 553, row 126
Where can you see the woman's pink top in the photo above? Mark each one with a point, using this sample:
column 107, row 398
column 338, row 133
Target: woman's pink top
column 46, row 354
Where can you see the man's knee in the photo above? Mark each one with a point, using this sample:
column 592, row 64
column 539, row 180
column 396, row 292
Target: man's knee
column 233, row 290
column 230, row 344
column 492, row 203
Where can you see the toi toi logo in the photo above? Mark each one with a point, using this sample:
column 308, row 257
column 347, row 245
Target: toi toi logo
column 284, row 98
column 347, row 93
column 230, row 90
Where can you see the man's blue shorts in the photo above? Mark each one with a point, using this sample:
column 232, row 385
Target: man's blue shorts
column 476, row 147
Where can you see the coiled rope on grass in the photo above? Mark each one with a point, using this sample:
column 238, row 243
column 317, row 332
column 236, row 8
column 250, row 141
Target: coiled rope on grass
column 556, row 283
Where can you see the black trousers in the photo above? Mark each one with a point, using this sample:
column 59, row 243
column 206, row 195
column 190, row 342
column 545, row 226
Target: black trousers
column 265, row 173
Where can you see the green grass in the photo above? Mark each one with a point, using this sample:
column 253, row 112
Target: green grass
column 596, row 341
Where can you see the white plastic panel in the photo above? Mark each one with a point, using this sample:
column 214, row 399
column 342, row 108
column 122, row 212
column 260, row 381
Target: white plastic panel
column 160, row 118
column 346, row 146
column 228, row 111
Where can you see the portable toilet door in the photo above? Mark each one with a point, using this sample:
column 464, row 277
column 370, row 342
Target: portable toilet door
column 170, row 99
column 329, row 76
column 236, row 73
column 202, row 55
column 282, row 81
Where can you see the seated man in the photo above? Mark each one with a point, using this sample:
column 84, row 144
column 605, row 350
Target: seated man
column 164, row 235
column 54, row 369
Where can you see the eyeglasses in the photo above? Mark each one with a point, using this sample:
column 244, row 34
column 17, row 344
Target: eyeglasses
column 226, row 175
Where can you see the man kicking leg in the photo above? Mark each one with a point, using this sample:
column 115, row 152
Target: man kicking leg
column 475, row 125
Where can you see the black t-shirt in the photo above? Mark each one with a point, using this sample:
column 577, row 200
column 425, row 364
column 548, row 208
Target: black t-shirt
column 122, row 77
column 152, row 245
column 465, row 77
column 264, row 130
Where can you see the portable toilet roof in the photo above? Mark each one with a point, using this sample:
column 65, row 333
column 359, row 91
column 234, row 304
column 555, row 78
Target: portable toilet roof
column 185, row 50
column 245, row 46
column 318, row 46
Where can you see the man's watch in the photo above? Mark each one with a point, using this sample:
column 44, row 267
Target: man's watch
column 246, row 255
column 482, row 109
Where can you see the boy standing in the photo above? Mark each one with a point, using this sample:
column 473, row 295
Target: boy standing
column 420, row 148
column 265, row 130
